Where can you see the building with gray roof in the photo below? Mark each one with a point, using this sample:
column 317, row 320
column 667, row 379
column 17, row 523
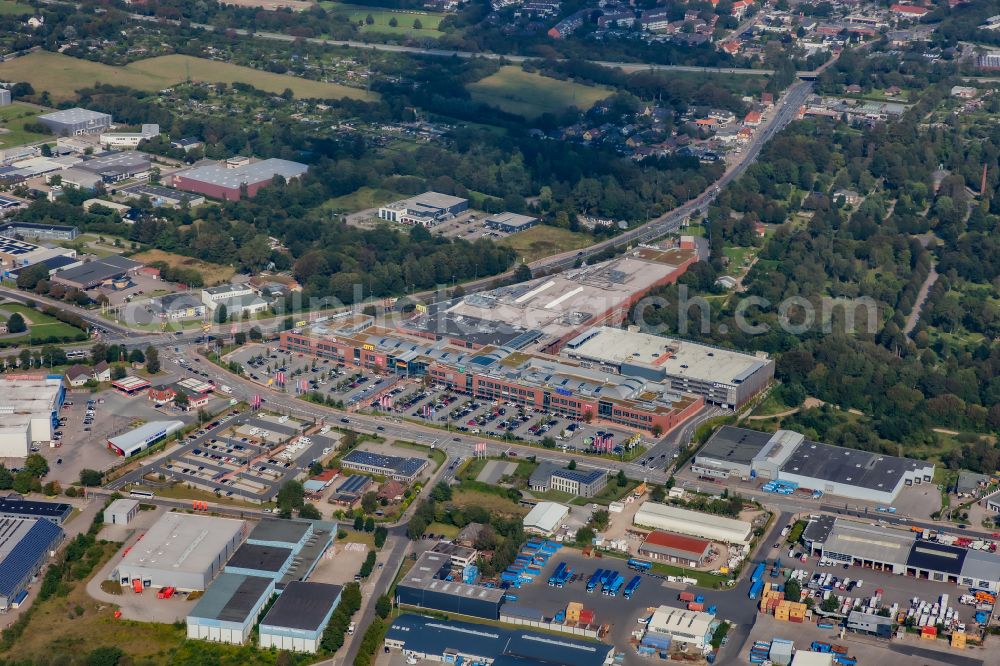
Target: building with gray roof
column 510, row 223
column 115, row 167
column 787, row 456
column 850, row 542
column 448, row 641
column 15, row 506
column 68, row 122
column 234, row 179
column 297, row 619
column 252, row 559
column 425, row 586
column 869, row 623
column 97, row 272
column 581, row 482
column 425, row 209
column 230, row 608
column 180, row 550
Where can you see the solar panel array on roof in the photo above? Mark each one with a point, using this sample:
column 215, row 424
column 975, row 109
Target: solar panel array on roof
column 23, row 544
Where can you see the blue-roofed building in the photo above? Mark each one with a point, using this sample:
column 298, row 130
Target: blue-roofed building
column 451, row 642
column 393, row 467
column 581, row 482
column 15, row 506
column 25, row 544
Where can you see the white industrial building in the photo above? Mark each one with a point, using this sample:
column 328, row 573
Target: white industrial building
column 29, row 405
column 181, row 550
column 722, row 376
column 545, row 518
column 298, row 618
column 691, row 628
column 141, row 438
column 124, row 140
column 789, row 457
column 230, row 608
column 121, row 511
column 692, row 523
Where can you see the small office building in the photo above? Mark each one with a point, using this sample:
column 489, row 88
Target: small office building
column 230, row 608
column 297, row 619
column 121, row 511
column 869, row 623
column 510, row 223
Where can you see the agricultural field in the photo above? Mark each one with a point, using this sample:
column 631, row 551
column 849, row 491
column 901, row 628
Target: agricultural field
column 530, row 95
column 212, row 273
column 542, row 241
column 13, row 118
column 62, row 76
column 381, row 18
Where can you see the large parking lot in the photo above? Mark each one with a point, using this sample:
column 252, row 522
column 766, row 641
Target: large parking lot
column 349, row 384
column 503, row 420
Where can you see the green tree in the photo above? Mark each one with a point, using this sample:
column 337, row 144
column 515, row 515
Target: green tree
column 36, row 465
column 221, row 314
column 522, row 273
column 182, row 401
column 136, row 356
column 600, row 519
column 585, row 536
column 657, row 494
column 240, row 338
column 572, row 465
column 152, row 359
column 24, row 482
column 6, row 478
column 104, row 656
column 15, row 324
column 291, row 495
column 369, row 524
column 622, row 479
column 255, row 334
column 359, row 523
column 393, row 22
column 793, row 590
column 381, row 533
column 383, row 606
column 118, row 372
column 417, row 25
column 310, row 512
column 369, row 502
column 441, row 492
column 91, row 477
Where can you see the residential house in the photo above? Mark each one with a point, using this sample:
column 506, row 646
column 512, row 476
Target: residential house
column 851, row 198
column 78, row 375
column 752, row 119
column 102, row 372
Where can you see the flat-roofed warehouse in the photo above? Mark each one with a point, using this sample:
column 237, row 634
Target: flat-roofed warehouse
column 424, row 586
column 787, row 456
column 182, row 551
column 29, row 406
column 95, row 273
column 462, row 642
column 15, row 506
column 858, row 543
column 722, row 376
column 692, row 523
column 230, row 181
column 68, row 122
column 230, row 608
column 297, row 619
column 25, row 544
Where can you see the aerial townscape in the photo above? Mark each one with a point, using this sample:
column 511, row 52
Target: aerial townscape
column 499, row 332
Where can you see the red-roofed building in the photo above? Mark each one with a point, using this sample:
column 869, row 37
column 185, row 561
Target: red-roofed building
column 732, row 48
column 910, row 10
column 740, row 7
column 752, row 119
column 676, row 548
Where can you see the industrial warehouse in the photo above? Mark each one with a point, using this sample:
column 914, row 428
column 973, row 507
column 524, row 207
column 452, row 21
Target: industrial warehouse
column 230, row 608
column 692, row 523
column 787, row 457
column 237, row 177
column 141, row 438
column 459, row 642
column 902, row 552
column 29, row 409
column 15, row 506
column 424, row 586
column 25, row 544
column 297, row 619
column 181, row 551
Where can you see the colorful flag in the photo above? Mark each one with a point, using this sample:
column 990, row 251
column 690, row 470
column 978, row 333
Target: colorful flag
column 255, row 402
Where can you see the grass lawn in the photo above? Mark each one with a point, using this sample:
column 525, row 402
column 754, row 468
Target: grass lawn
column 543, row 240
column 8, row 8
column 495, row 503
column 361, row 199
column 13, row 118
column 62, row 76
column 693, row 230
column 530, row 95
column 771, row 405
column 41, row 325
column 737, row 256
column 704, row 579
column 354, row 536
column 404, row 19
column 180, row 491
column 449, row 531
column 211, row 273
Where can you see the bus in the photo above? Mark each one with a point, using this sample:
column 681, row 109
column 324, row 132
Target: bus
column 74, row 354
column 141, row 494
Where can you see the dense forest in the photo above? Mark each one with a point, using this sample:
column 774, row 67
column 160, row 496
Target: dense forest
column 919, row 209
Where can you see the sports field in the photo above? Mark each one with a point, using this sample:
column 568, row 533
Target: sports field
column 62, row 76
column 530, row 95
column 13, row 118
column 381, row 17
